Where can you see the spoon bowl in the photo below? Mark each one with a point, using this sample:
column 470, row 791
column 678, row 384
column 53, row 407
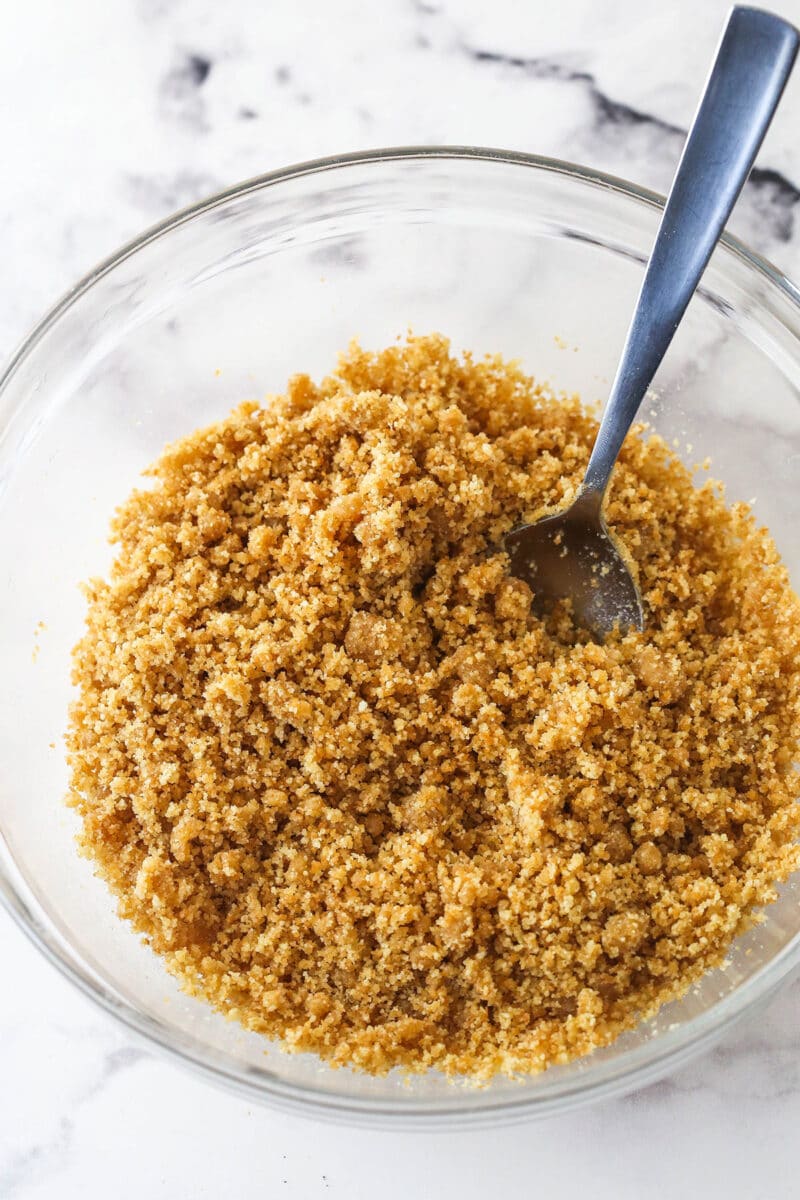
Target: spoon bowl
column 572, row 556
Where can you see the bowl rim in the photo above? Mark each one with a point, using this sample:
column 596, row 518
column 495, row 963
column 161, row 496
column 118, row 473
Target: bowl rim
column 635, row 1067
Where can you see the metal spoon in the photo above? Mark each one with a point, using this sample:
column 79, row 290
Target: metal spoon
column 572, row 554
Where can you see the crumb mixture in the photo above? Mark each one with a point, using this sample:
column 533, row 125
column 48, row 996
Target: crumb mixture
column 358, row 796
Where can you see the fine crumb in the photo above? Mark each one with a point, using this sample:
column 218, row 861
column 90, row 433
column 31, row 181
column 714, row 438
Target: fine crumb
column 39, row 629
column 359, row 797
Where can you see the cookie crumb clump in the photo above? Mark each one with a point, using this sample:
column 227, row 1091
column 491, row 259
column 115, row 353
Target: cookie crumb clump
column 359, row 796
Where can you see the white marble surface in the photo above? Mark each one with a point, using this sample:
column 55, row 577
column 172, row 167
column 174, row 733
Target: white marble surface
column 112, row 114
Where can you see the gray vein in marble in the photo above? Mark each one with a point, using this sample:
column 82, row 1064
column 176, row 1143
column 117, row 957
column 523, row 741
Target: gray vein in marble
column 42, row 1157
column 198, row 68
column 756, row 1071
column 179, row 91
column 26, row 1166
column 767, row 208
column 154, row 9
column 775, row 191
column 780, row 195
column 168, row 193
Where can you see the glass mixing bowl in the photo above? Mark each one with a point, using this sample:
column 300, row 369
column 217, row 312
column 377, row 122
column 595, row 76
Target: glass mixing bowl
column 537, row 259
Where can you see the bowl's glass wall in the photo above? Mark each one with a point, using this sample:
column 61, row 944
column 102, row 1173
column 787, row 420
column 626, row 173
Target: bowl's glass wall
column 501, row 257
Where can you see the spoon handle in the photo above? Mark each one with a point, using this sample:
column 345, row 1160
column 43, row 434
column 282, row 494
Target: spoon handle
column 753, row 62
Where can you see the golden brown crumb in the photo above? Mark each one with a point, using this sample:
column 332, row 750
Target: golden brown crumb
column 358, row 796
column 648, row 858
column 512, row 600
column 624, row 932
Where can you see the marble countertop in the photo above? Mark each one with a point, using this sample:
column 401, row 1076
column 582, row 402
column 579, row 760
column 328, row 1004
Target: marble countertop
column 111, row 116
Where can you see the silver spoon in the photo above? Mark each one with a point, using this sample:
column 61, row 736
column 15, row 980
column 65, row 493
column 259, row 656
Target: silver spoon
column 572, row 555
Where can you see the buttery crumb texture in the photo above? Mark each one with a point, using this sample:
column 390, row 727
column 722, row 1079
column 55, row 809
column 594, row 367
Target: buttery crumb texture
column 358, row 796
